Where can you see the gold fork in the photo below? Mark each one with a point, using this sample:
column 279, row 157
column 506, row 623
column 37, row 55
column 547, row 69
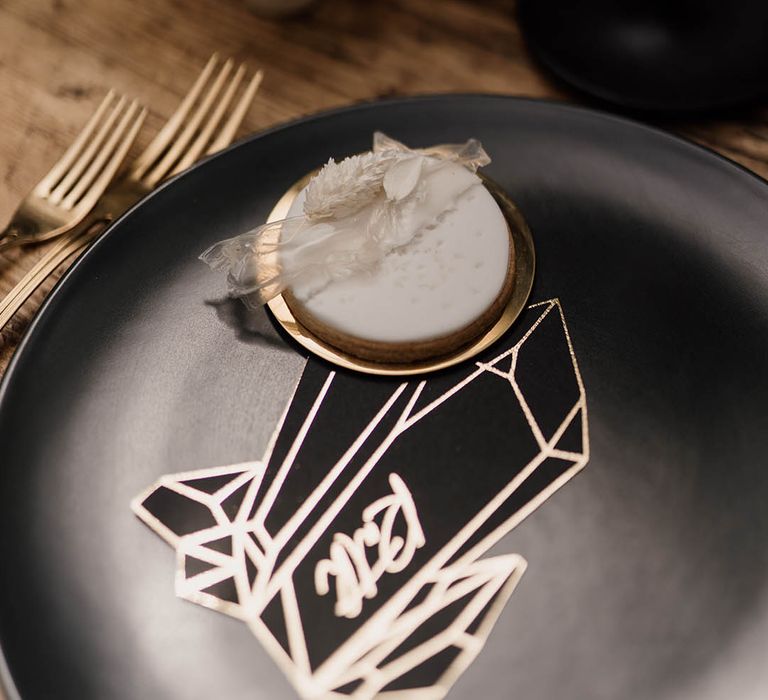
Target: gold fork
column 70, row 190
column 192, row 131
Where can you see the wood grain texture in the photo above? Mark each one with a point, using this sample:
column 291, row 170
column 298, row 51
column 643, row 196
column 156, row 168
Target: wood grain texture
column 59, row 57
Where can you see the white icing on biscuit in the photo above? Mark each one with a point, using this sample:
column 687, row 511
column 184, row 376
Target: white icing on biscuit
column 438, row 283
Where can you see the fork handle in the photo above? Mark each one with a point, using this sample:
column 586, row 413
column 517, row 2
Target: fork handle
column 69, row 244
column 9, row 237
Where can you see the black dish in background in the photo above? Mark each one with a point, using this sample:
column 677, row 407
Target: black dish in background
column 648, row 573
column 672, row 57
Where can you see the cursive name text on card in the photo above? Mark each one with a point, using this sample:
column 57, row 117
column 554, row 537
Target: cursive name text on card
column 358, row 562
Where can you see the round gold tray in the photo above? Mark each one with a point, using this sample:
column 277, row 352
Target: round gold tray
column 525, row 265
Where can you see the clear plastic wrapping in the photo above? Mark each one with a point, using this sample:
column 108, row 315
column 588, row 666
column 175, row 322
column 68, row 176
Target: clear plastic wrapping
column 355, row 212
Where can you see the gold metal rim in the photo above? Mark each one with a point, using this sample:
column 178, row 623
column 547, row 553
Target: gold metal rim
column 525, row 266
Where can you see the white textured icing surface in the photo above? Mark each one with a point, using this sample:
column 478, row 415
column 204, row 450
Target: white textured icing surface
column 438, row 283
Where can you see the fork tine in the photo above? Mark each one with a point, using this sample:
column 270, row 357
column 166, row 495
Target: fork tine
column 101, row 158
column 182, row 140
column 101, row 183
column 55, row 174
column 194, row 151
column 156, row 147
column 230, row 127
column 60, row 191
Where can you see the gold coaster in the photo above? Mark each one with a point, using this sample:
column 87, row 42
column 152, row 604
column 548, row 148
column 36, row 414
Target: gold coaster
column 525, row 265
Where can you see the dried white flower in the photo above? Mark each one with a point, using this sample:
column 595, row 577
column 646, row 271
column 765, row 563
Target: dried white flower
column 337, row 237
column 401, row 179
column 342, row 189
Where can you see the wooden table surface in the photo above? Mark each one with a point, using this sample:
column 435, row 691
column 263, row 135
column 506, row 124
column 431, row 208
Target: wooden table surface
column 59, row 57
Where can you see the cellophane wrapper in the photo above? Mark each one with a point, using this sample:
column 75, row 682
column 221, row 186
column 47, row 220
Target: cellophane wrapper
column 355, row 212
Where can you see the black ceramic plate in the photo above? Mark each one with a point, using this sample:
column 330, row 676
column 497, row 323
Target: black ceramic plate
column 667, row 55
column 647, row 572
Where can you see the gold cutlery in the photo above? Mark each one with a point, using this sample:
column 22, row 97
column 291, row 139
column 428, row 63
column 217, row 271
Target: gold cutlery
column 70, row 190
column 196, row 128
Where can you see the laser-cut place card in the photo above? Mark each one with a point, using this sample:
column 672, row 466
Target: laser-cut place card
column 353, row 549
